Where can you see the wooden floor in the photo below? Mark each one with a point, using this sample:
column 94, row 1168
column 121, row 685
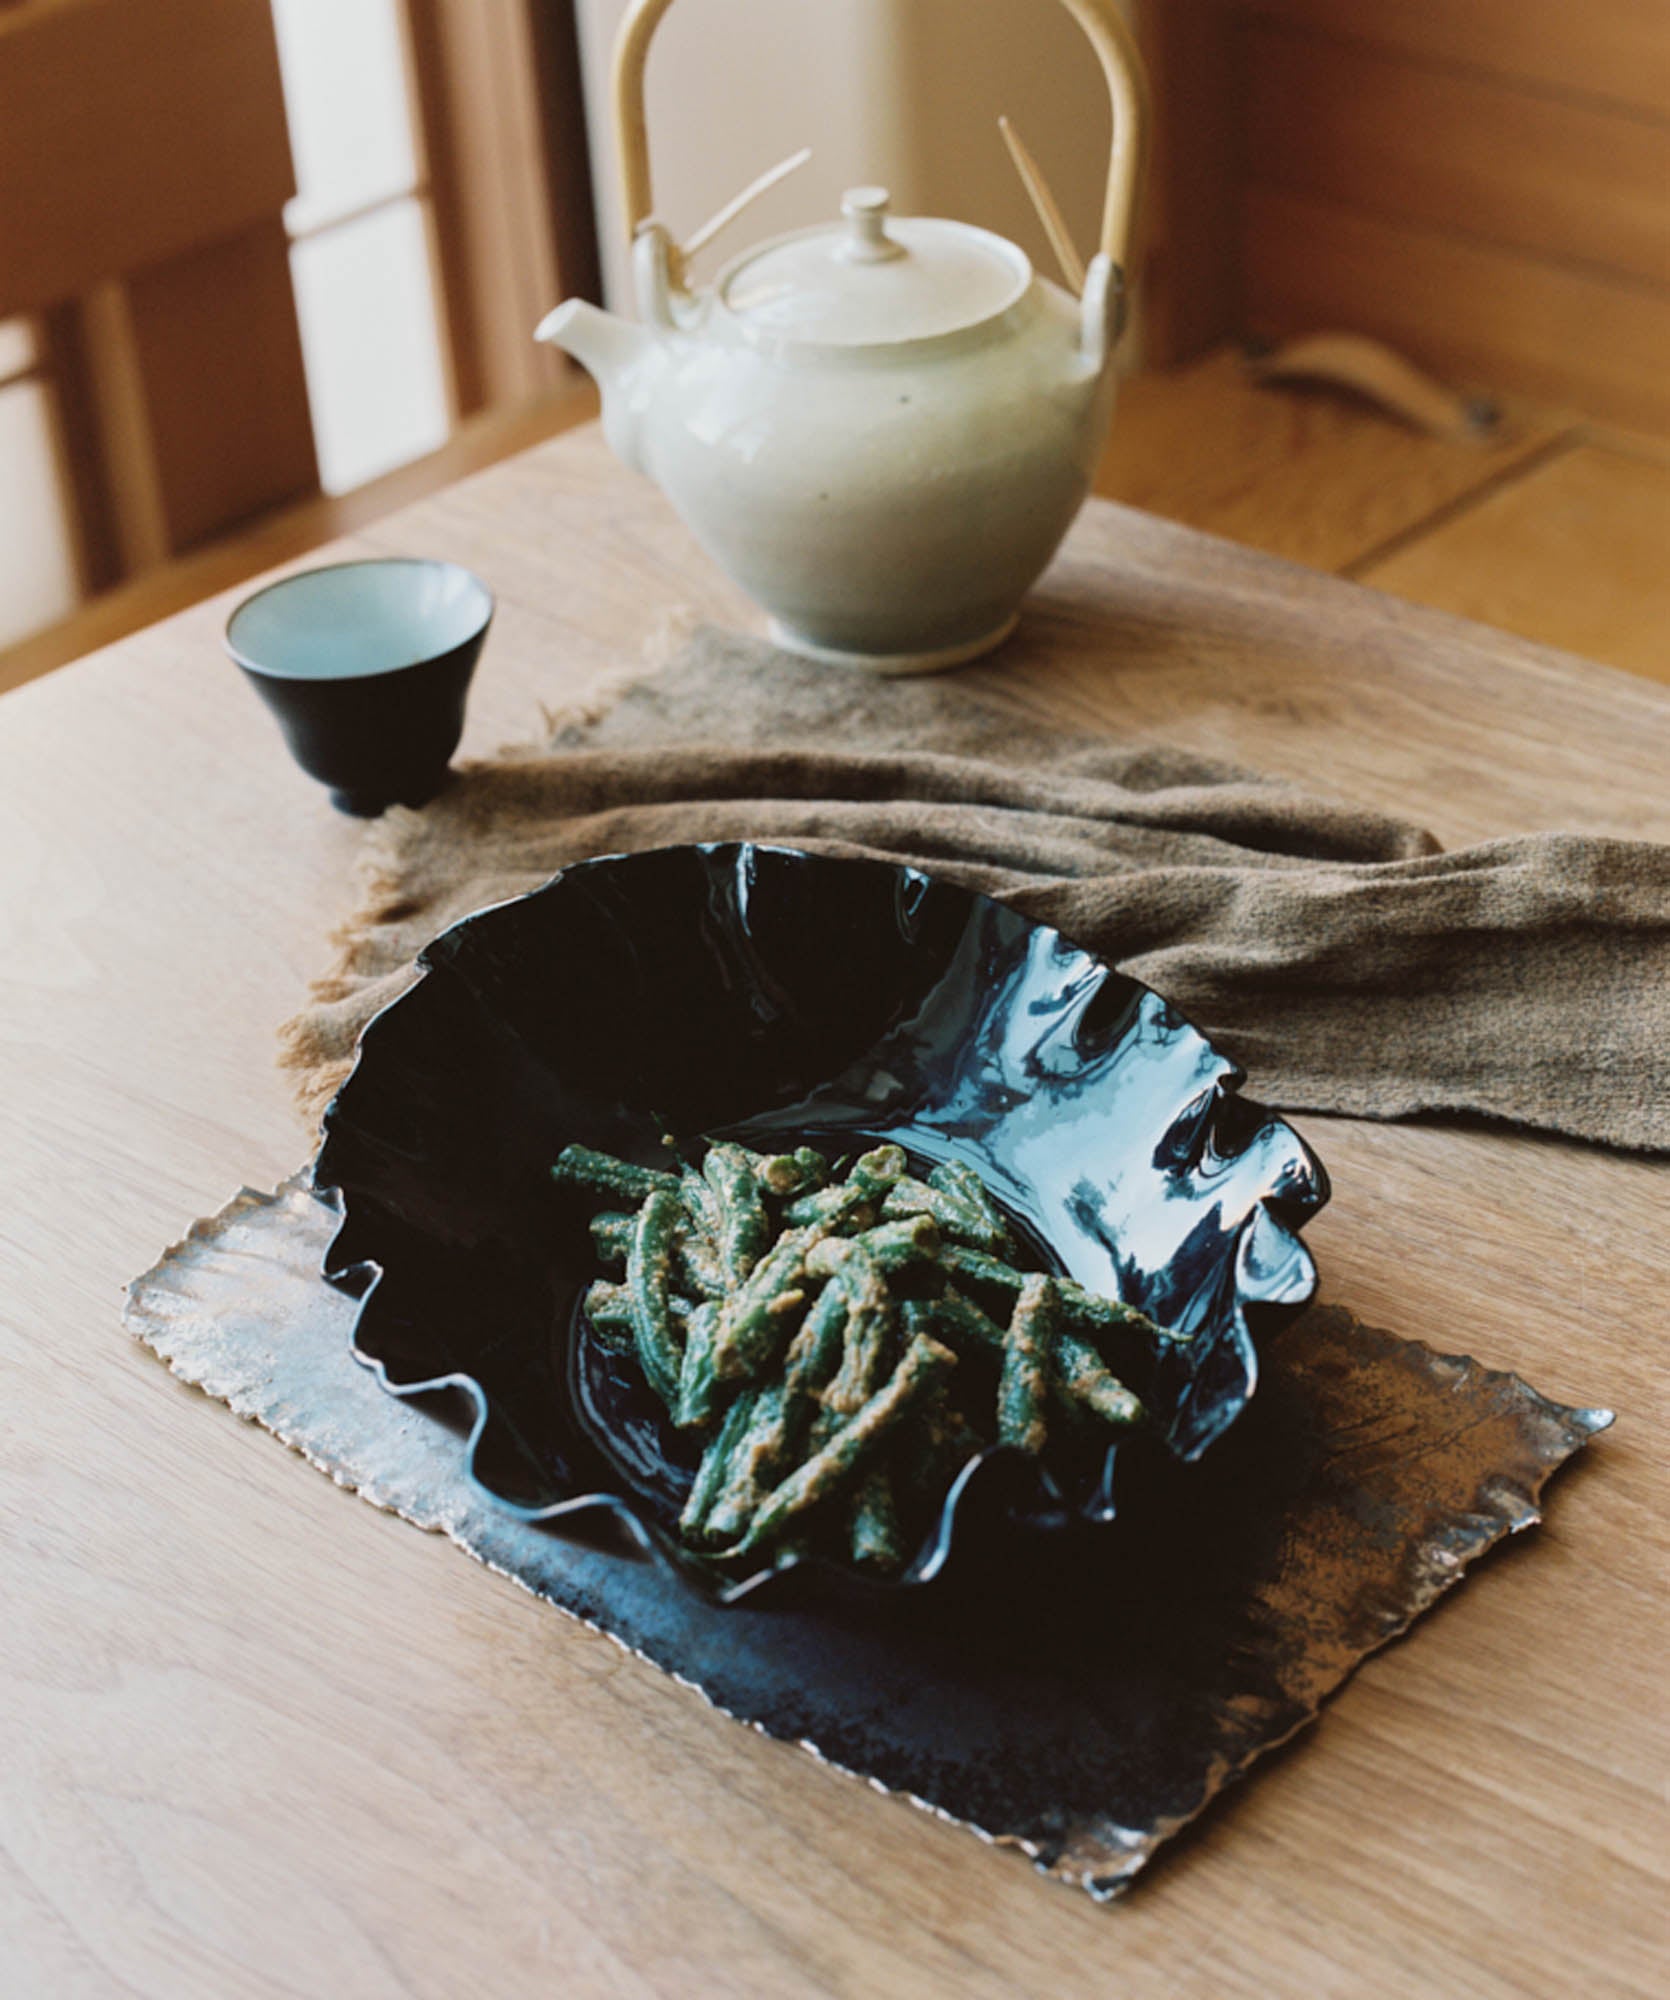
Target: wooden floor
column 1548, row 526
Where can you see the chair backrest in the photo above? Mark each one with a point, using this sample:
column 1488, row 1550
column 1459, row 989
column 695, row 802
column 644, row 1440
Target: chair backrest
column 144, row 168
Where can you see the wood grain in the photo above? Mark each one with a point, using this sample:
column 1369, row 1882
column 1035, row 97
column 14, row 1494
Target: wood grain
column 264, row 1741
column 1492, row 317
column 1313, row 475
column 1557, row 177
column 1618, row 49
column 1190, row 264
column 1596, row 520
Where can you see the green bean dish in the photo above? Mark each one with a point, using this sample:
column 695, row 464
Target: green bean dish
column 838, row 1343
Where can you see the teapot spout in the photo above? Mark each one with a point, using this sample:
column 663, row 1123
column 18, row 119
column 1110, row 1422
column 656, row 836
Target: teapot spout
column 609, row 349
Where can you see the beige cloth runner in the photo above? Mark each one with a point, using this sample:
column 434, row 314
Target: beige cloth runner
column 1336, row 953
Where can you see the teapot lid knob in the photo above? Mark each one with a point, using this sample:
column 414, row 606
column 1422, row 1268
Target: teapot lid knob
column 866, row 240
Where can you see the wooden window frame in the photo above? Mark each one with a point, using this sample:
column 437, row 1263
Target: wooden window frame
column 500, row 111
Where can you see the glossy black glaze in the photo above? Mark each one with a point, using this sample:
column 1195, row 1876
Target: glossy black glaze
column 764, row 994
column 378, row 739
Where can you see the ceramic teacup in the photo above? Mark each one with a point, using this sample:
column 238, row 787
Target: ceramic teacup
column 366, row 666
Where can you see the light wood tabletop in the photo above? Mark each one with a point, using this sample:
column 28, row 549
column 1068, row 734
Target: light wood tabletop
column 260, row 1739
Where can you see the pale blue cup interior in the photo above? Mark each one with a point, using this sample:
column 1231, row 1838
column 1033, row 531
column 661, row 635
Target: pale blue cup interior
column 360, row 618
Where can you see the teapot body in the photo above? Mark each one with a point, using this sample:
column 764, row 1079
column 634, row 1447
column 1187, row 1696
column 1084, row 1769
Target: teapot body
column 888, row 505
column 881, row 430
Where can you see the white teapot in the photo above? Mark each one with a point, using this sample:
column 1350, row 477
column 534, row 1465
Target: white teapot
column 879, row 428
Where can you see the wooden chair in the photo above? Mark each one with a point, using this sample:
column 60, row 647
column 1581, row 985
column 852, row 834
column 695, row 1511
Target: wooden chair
column 144, row 167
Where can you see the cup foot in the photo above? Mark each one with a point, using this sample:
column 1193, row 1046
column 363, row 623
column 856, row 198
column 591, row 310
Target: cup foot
column 360, row 805
column 932, row 661
column 369, row 804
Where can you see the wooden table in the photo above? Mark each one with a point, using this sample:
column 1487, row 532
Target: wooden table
column 262, row 1740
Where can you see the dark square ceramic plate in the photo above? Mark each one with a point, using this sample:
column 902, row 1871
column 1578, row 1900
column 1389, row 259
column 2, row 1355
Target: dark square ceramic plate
column 776, row 996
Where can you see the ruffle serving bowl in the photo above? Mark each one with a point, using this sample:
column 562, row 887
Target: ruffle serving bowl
column 783, row 998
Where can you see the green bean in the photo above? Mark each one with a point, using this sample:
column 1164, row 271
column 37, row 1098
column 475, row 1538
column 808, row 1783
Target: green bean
column 699, row 1261
column 750, row 1467
column 814, row 1355
column 961, row 1322
column 961, row 1222
column 838, row 1210
column 1081, row 1374
column 821, row 1434
column 648, row 1278
column 840, row 1205
column 611, row 1234
column 892, row 1246
column 921, row 1316
column 954, row 1178
column 936, row 1445
column 924, row 1365
column 710, row 1474
column 700, row 1202
column 610, row 1317
column 698, row 1386
column 880, row 1167
column 1086, row 1311
column 609, row 1305
column 744, row 1230
column 1023, row 1390
column 1081, row 1377
column 1091, row 1313
column 785, row 1174
column 755, row 1324
column 981, row 1268
column 875, row 1539
column 865, row 1187
column 602, row 1174
column 870, row 1326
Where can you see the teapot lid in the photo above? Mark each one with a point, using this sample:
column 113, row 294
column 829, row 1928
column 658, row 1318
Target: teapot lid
column 871, row 279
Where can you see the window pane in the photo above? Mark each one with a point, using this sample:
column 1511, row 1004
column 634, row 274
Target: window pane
column 17, row 347
column 345, row 94
column 37, row 552
column 367, row 311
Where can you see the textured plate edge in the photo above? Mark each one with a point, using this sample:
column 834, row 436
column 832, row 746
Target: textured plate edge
column 1102, row 1861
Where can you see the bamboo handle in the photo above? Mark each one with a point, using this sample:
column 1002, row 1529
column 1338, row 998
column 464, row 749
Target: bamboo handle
column 637, row 31
column 1116, row 49
column 1101, row 21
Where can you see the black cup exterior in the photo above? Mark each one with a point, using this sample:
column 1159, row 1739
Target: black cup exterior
column 379, row 739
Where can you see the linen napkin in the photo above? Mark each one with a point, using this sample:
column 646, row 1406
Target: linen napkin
column 1336, row 953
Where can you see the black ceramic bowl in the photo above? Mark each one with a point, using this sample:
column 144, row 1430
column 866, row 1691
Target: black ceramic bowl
column 780, row 997
column 366, row 666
